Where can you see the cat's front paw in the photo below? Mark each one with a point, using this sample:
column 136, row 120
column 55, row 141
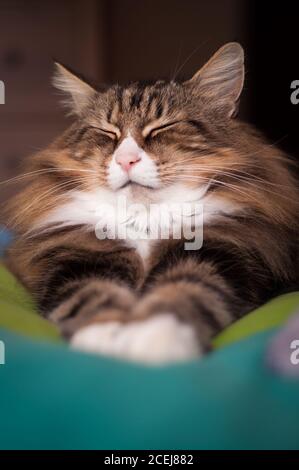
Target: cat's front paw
column 158, row 339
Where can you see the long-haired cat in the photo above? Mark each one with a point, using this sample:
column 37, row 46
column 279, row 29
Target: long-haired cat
column 159, row 143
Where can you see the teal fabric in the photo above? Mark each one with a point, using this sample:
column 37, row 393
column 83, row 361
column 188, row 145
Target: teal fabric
column 5, row 239
column 53, row 398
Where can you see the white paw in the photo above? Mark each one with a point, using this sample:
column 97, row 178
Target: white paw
column 158, row 339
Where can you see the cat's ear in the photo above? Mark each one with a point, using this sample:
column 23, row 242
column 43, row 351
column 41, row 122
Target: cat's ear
column 78, row 93
column 220, row 80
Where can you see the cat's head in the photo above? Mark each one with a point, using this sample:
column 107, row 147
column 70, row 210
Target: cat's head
column 157, row 134
column 166, row 141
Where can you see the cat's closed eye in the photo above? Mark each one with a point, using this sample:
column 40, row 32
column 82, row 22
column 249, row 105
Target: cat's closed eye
column 151, row 131
column 109, row 130
column 111, row 134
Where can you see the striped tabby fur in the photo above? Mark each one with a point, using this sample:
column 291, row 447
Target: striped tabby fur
column 188, row 133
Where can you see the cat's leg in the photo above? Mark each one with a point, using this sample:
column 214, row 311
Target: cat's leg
column 185, row 307
column 78, row 281
column 189, row 298
column 89, row 301
column 85, row 290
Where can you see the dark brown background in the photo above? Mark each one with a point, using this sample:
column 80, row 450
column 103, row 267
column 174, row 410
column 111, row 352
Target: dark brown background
column 124, row 40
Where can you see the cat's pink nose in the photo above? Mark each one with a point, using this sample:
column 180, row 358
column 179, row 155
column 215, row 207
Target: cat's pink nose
column 127, row 160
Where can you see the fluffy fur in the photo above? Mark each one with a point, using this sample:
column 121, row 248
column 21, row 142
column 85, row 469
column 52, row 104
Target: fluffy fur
column 153, row 300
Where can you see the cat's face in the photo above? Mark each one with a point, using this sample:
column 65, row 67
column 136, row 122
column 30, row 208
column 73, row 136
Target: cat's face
column 154, row 135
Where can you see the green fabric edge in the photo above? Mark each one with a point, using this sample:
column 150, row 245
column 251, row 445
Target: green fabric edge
column 18, row 312
column 273, row 314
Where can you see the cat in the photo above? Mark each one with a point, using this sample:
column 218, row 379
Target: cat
column 156, row 143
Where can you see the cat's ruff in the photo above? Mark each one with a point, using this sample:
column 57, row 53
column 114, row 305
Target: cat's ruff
column 90, row 208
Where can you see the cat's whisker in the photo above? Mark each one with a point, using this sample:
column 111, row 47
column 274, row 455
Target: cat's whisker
column 241, row 163
column 43, row 171
column 16, row 220
column 191, row 178
column 188, row 58
column 13, row 223
column 250, row 182
column 241, row 178
column 249, row 177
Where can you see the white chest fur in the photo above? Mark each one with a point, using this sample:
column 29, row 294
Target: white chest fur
column 138, row 211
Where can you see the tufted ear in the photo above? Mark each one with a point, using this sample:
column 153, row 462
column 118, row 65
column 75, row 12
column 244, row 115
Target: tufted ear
column 78, row 92
column 220, row 81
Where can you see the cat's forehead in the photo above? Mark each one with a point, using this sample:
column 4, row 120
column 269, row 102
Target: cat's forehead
column 137, row 93
column 141, row 100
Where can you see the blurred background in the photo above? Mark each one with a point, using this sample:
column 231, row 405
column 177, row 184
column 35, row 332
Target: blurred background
column 124, row 40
